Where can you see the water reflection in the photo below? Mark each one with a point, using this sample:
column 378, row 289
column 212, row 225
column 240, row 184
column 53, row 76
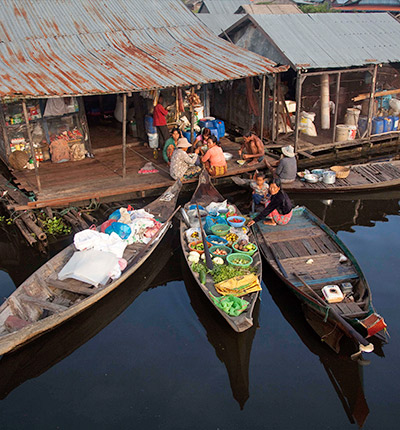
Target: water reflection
column 345, row 375
column 233, row 349
column 40, row 355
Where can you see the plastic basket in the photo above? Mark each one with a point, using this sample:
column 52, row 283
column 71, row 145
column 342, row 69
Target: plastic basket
column 236, row 224
column 236, row 255
column 245, row 252
column 213, row 238
column 220, row 229
column 193, row 244
column 225, row 248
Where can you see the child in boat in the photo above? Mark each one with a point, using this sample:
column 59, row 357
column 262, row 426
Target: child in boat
column 279, row 209
column 214, row 160
column 260, row 189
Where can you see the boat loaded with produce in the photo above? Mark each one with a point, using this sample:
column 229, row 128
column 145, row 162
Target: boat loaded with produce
column 222, row 254
column 86, row 271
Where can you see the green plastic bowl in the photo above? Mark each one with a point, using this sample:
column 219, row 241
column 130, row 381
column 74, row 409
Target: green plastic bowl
column 235, row 255
column 245, row 252
column 225, row 248
column 220, row 229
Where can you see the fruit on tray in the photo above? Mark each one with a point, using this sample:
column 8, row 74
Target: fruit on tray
column 244, row 246
column 231, row 237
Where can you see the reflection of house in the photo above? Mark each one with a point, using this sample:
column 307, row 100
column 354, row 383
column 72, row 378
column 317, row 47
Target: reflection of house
column 78, row 61
column 338, row 62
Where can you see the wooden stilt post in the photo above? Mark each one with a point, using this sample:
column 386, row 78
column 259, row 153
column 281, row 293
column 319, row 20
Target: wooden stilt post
column 299, row 84
column 278, row 102
column 176, row 104
column 262, row 108
column 371, row 100
column 273, row 109
column 124, row 136
column 191, row 117
column 32, row 151
column 339, row 77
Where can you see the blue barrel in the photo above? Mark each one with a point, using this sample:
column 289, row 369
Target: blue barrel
column 362, row 124
column 187, row 135
column 206, row 123
column 148, row 125
column 214, row 132
column 395, row 123
column 220, row 126
column 377, row 125
column 387, row 124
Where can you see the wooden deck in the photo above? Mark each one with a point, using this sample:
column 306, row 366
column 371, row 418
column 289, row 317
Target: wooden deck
column 370, row 176
column 101, row 177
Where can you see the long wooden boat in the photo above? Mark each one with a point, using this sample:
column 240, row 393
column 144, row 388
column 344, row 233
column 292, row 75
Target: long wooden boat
column 362, row 177
column 307, row 255
column 42, row 302
column 205, row 194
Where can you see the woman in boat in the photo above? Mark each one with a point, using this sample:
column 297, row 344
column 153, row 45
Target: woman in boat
column 170, row 145
column 183, row 164
column 279, row 209
column 214, row 160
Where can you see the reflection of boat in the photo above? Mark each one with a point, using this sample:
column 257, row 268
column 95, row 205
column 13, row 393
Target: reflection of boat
column 38, row 356
column 345, row 375
column 232, row 348
column 205, row 194
column 316, row 265
column 42, row 302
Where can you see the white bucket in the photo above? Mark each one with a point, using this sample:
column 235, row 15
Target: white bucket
column 352, row 132
column 342, row 133
column 153, row 140
column 351, row 117
column 329, row 177
column 199, row 112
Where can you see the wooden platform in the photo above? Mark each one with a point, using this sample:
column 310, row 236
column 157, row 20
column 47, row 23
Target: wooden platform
column 101, row 177
column 368, row 176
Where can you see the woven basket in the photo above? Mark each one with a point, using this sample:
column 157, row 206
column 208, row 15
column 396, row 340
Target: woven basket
column 342, row 172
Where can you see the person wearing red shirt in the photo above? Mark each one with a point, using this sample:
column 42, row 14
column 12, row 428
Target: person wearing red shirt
column 160, row 122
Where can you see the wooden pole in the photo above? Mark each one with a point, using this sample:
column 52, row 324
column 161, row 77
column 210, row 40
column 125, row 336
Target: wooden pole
column 191, row 117
column 262, row 108
column 339, row 77
column 273, row 109
column 176, row 104
column 299, row 84
column 32, row 151
column 371, row 100
column 278, row 101
column 124, row 136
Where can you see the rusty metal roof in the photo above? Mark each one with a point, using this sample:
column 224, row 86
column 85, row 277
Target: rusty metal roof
column 110, row 46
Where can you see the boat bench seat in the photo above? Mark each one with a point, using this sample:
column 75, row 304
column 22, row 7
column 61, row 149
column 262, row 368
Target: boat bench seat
column 72, row 286
column 350, row 309
column 52, row 307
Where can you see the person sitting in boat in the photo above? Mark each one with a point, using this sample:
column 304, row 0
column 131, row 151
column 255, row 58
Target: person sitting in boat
column 252, row 149
column 201, row 139
column 260, row 188
column 279, row 209
column 170, row 145
column 286, row 168
column 183, row 164
column 214, row 160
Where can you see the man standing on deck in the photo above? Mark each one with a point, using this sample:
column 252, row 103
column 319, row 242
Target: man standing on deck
column 160, row 122
column 252, row 149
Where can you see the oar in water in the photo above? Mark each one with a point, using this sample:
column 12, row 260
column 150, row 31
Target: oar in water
column 209, row 262
column 364, row 345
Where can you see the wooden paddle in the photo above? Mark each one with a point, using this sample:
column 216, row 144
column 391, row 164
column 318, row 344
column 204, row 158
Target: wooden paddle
column 365, row 346
column 209, row 262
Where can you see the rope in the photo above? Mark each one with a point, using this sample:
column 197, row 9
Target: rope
column 151, row 161
column 327, row 314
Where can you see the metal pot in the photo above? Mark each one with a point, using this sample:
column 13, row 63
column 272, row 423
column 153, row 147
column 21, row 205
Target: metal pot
column 329, row 177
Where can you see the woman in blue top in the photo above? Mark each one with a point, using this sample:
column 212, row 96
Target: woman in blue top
column 170, row 145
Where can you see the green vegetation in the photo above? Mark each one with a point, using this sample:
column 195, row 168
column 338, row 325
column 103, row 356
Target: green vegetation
column 55, row 226
column 317, row 8
column 4, row 220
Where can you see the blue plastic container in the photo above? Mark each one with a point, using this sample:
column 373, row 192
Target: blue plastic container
column 362, row 124
column 206, row 123
column 220, row 126
column 214, row 132
column 387, row 124
column 377, row 125
column 187, row 135
column 148, row 125
column 395, row 123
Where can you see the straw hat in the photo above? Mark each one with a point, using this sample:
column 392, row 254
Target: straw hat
column 183, row 143
column 288, row 151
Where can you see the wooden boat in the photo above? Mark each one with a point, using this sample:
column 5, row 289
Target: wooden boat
column 307, row 255
column 42, row 302
column 362, row 177
column 37, row 357
column 205, row 194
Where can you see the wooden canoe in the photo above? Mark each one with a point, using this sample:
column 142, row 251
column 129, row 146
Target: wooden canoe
column 306, row 247
column 43, row 302
column 362, row 177
column 205, row 194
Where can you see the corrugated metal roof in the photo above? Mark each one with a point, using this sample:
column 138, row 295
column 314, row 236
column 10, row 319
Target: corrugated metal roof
column 333, row 40
column 105, row 46
column 222, row 6
column 218, row 23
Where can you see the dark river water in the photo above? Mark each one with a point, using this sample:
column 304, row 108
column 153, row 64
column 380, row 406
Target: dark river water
column 155, row 355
